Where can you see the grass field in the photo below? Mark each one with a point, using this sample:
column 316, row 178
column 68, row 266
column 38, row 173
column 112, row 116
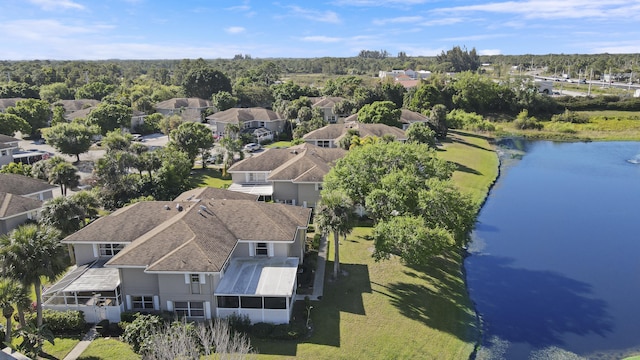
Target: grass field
column 385, row 310
column 108, row 349
column 209, row 177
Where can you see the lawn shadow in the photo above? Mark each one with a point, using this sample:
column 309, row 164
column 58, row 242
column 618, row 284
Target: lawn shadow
column 535, row 307
column 438, row 300
column 464, row 168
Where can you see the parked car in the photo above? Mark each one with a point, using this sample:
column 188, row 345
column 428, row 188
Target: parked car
column 251, row 147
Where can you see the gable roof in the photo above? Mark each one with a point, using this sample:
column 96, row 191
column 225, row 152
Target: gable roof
column 200, row 238
column 239, row 115
column 336, row 131
column 11, row 205
column 300, row 163
column 408, row 117
column 8, row 140
column 327, row 101
column 9, row 102
column 210, row 193
column 75, row 105
column 178, row 103
column 23, row 185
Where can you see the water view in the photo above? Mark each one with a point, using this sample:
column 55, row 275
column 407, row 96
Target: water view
column 554, row 267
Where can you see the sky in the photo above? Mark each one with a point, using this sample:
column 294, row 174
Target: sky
column 209, row 29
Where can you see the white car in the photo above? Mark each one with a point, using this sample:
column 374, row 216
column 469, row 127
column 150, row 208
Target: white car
column 251, row 147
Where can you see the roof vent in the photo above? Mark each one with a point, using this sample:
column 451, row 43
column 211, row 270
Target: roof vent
column 204, row 208
column 166, row 207
column 178, row 207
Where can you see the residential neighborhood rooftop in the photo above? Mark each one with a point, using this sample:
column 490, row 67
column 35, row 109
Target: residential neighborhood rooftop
column 23, row 185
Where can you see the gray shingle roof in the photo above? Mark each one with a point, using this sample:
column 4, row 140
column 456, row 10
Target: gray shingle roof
column 6, row 139
column 9, row 102
column 11, row 204
column 23, row 185
column 327, row 102
column 238, row 115
column 75, row 105
column 209, row 193
column 178, row 103
column 336, row 131
column 408, row 117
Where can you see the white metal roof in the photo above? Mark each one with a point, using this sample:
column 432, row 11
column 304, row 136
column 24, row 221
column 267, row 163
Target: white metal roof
column 262, row 189
column 89, row 277
column 274, row 276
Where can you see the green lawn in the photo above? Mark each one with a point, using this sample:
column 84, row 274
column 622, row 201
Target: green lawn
column 279, row 144
column 209, row 177
column 105, row 348
column 387, row 310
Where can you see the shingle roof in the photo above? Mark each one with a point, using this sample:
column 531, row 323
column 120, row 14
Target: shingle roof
column 178, row 103
column 75, row 105
column 11, row 204
column 5, row 139
column 209, row 193
column 201, row 239
column 327, row 102
column 79, row 113
column 409, row 117
column 238, row 115
column 336, row 131
column 23, row 185
column 9, row 102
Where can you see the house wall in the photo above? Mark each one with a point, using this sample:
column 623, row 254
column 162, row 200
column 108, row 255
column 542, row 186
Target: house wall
column 6, row 159
column 277, row 126
column 297, row 248
column 83, row 253
column 285, row 191
column 238, row 178
column 308, row 193
column 11, row 223
column 172, row 288
column 281, row 250
column 136, row 282
column 241, row 250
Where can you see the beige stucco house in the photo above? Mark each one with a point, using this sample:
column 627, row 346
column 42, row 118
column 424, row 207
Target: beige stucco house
column 21, row 199
column 263, row 123
column 326, row 104
column 329, row 136
column 292, row 176
column 190, row 109
column 208, row 253
column 8, row 145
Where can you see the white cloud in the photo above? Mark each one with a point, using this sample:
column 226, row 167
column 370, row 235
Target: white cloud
column 239, row 8
column 235, row 30
column 314, row 15
column 45, row 29
column 474, row 37
column 553, row 9
column 490, row 52
column 443, row 21
column 389, row 3
column 399, row 20
column 49, row 5
column 322, row 39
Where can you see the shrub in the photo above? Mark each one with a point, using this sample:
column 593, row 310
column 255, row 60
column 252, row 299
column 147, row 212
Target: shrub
column 128, row 316
column 239, row 323
column 262, row 330
column 61, row 322
column 138, row 332
column 571, row 117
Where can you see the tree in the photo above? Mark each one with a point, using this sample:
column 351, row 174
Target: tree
column 70, row 138
column 223, row 100
column 65, row 175
column 117, row 140
column 380, row 112
column 35, row 112
column 12, row 293
column 438, row 120
column 193, row 138
column 58, row 115
column 95, row 90
column 16, row 168
column 334, row 213
column 110, row 117
column 420, row 132
column 10, row 124
column 170, row 123
column 31, row 252
column 203, row 82
column 458, row 60
column 69, row 214
column 54, row 92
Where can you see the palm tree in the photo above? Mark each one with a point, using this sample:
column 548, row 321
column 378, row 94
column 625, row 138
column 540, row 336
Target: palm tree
column 64, row 174
column 30, row 252
column 11, row 293
column 334, row 213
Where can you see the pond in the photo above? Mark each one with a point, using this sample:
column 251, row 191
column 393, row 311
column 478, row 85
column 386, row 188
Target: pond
column 554, row 265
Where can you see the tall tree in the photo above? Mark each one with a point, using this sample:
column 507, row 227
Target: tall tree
column 438, row 120
column 380, row 112
column 420, row 132
column 12, row 293
column 335, row 214
column 203, row 82
column 193, row 138
column 223, row 100
column 35, row 112
column 10, row 124
column 65, row 175
column 31, row 252
column 95, row 90
column 70, row 138
column 109, row 117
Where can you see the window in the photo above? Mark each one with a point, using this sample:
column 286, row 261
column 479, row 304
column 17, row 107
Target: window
column 142, row 302
column 262, row 249
column 256, row 177
column 4, row 152
column 275, row 303
column 324, row 143
column 228, row 302
column 195, row 283
column 108, row 250
column 251, row 302
column 189, row 309
column 318, row 186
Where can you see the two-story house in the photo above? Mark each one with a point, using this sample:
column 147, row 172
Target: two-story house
column 326, row 105
column 8, row 145
column 189, row 109
column 21, row 199
column 212, row 255
column 330, row 135
column 262, row 123
column 292, row 176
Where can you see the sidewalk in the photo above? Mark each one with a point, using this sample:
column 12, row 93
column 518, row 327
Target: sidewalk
column 318, row 281
column 82, row 345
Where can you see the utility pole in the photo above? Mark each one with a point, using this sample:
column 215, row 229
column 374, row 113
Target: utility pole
column 590, row 77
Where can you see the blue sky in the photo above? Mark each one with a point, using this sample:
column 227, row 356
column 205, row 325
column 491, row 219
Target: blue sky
column 159, row 29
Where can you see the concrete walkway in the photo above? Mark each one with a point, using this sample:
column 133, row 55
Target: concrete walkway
column 318, row 280
column 82, row 345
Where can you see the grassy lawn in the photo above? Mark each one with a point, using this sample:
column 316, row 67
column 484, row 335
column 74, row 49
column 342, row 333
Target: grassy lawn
column 279, row 144
column 61, row 348
column 208, row 177
column 105, row 348
column 387, row 310
column 603, row 126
